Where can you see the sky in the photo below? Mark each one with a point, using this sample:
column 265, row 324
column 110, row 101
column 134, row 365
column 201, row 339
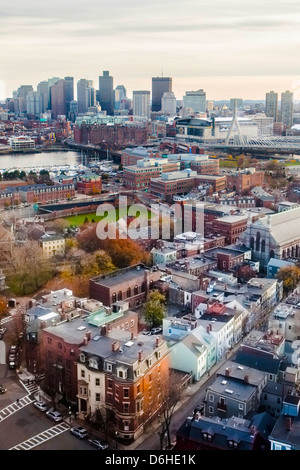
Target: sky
column 229, row 48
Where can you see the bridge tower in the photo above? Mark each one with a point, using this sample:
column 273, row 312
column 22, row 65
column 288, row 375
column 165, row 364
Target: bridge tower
column 235, row 125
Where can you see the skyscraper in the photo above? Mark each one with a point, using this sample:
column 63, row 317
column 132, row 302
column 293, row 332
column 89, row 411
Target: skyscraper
column 43, row 88
column 286, row 108
column 51, row 82
column 119, row 95
column 58, row 99
column 82, row 85
column 141, row 103
column 272, row 105
column 159, row 86
column 23, row 90
column 69, row 91
column 168, row 103
column 106, row 93
column 34, row 103
column 196, row 100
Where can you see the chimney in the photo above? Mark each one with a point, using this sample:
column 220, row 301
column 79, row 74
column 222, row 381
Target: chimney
column 140, row 355
column 288, row 423
column 207, row 329
column 115, row 346
column 246, row 379
column 88, row 335
column 227, row 371
column 157, row 341
column 210, row 327
column 104, row 330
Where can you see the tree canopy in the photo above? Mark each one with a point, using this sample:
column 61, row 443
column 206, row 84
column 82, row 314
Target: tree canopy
column 290, row 276
column 155, row 308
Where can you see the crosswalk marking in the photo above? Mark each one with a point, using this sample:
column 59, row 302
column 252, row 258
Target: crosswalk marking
column 42, row 437
column 13, row 407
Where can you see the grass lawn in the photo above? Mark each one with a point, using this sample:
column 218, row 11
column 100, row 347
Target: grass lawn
column 80, row 218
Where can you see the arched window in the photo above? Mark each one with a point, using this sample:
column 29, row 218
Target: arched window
column 257, row 244
column 288, row 252
column 114, row 297
column 283, row 254
column 129, row 292
column 272, row 254
column 120, row 295
column 136, row 290
column 252, row 243
column 263, row 246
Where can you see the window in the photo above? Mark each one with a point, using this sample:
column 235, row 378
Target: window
column 233, row 444
column 241, row 406
column 109, row 367
column 109, row 383
column 72, row 352
column 126, row 407
column 82, row 373
column 97, row 396
column 49, row 340
column 120, row 295
column 114, row 297
column 126, row 392
column 97, row 381
column 136, row 290
column 211, row 398
column 129, row 292
column 82, row 390
column 206, row 436
column 138, row 388
column 59, row 345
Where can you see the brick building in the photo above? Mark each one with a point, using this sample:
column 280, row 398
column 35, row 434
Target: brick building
column 125, row 377
column 117, row 134
column 139, row 176
column 131, row 284
column 170, row 184
column 89, row 183
column 231, row 227
column 242, row 181
column 130, row 156
column 43, row 193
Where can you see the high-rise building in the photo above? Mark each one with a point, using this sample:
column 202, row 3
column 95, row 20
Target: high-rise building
column 159, row 86
column 43, row 89
column 106, row 93
column 51, row 81
column 82, row 86
column 272, row 105
column 195, row 100
column 286, row 108
column 168, row 103
column 23, row 90
column 69, row 91
column 58, row 99
column 119, row 95
column 90, row 94
column 141, row 103
column 34, row 103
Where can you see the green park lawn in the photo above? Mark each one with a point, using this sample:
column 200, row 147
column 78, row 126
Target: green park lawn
column 81, row 218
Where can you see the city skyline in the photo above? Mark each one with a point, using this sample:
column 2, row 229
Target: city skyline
column 228, row 49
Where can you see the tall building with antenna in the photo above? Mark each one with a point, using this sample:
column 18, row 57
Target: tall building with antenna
column 159, row 86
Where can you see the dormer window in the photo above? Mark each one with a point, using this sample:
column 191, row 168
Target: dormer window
column 93, row 363
column 108, row 367
column 82, row 357
column 232, row 444
column 122, row 372
column 206, row 436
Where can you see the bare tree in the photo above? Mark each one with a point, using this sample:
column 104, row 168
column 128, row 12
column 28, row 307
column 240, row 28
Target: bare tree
column 169, row 395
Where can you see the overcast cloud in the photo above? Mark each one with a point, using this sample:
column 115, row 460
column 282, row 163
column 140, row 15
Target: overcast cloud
column 228, row 48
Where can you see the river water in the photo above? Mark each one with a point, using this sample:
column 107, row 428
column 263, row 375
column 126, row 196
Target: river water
column 40, row 160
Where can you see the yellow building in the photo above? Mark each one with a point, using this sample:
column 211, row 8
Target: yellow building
column 52, row 245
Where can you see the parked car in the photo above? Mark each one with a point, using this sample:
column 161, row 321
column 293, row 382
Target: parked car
column 2, row 389
column 147, row 333
column 100, row 445
column 155, row 331
column 54, row 415
column 40, row 405
column 79, row 432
